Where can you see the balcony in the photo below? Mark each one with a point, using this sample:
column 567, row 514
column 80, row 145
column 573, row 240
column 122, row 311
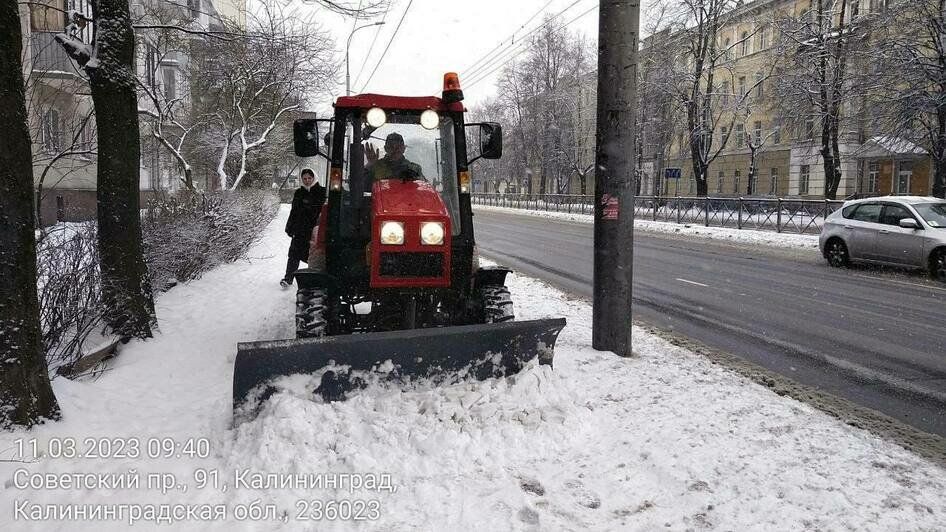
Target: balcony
column 48, row 55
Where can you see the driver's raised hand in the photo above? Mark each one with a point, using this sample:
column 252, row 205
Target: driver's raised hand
column 371, row 153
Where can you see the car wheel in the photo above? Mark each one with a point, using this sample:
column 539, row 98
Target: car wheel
column 836, row 253
column 938, row 265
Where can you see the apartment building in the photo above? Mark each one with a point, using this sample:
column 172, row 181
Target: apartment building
column 59, row 103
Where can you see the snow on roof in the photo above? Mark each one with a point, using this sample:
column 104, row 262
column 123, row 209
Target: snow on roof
column 886, row 145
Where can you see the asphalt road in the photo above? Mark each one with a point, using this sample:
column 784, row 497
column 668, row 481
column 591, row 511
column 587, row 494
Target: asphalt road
column 874, row 338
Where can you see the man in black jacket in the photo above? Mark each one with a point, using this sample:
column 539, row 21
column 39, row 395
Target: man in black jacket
column 306, row 206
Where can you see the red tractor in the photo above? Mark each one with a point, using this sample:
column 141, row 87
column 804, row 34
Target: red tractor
column 394, row 276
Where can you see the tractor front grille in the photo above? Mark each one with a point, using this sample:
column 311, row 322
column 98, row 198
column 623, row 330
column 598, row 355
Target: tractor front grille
column 411, row 265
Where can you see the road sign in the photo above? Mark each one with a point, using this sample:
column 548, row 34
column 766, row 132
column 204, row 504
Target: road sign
column 672, row 173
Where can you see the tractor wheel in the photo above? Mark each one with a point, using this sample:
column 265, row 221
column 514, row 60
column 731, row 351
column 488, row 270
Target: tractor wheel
column 310, row 313
column 497, row 304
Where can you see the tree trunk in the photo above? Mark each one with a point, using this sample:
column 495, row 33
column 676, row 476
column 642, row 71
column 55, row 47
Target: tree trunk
column 126, row 288
column 26, row 396
column 939, row 154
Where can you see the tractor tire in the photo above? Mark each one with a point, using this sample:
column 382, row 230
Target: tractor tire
column 311, row 313
column 497, row 304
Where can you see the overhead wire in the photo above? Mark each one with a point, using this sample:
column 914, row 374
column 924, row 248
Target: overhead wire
column 522, row 40
column 511, row 36
column 373, row 41
column 391, row 40
column 511, row 53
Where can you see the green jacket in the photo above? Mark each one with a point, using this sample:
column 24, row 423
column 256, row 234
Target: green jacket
column 386, row 168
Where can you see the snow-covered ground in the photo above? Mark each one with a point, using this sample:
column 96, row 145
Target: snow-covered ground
column 664, row 440
column 744, row 236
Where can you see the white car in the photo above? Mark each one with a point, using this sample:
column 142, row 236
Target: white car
column 906, row 231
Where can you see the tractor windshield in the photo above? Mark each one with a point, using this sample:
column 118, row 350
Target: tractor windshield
column 402, row 146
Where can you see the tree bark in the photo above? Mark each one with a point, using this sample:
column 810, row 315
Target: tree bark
column 26, row 396
column 126, row 288
column 939, row 154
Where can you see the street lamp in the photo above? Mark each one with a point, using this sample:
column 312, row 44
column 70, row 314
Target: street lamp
column 347, row 76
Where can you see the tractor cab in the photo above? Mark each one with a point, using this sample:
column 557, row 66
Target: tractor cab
column 398, row 212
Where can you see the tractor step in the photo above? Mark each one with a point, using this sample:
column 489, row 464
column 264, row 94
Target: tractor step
column 443, row 354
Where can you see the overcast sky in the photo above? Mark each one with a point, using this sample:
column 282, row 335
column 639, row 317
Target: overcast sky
column 439, row 36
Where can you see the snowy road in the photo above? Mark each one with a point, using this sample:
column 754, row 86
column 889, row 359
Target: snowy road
column 867, row 338
column 665, row 440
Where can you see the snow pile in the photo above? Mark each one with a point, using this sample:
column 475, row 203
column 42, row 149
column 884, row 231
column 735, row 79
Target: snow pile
column 744, row 236
column 663, row 440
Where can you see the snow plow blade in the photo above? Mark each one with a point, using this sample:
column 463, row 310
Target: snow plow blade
column 443, row 354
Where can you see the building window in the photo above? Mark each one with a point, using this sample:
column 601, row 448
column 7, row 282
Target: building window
column 904, row 175
column 735, row 181
column 773, row 181
column 719, row 182
column 746, row 43
column 170, row 84
column 809, row 131
column 753, row 183
column 194, row 6
column 757, row 133
column 724, row 91
column 762, row 42
column 873, row 176
column 692, row 185
column 742, row 87
column 740, row 135
column 777, row 135
column 151, row 65
column 759, row 85
column 52, row 134
column 48, row 15
column 803, row 175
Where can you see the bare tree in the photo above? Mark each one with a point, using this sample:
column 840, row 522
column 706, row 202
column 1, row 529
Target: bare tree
column 250, row 86
column 815, row 81
column 109, row 63
column 542, row 101
column 166, row 32
column 26, row 396
column 911, row 68
column 658, row 109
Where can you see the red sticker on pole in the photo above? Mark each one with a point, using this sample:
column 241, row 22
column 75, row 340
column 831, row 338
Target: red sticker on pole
column 611, row 208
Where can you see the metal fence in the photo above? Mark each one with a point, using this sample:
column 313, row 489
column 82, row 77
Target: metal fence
column 784, row 215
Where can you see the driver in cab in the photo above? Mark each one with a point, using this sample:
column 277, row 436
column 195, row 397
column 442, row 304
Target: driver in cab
column 393, row 164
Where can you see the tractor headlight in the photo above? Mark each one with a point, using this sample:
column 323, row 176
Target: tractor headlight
column 392, row 233
column 429, row 119
column 376, row 117
column 431, row 233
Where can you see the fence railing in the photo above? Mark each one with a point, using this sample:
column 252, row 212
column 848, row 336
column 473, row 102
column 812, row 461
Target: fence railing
column 784, row 215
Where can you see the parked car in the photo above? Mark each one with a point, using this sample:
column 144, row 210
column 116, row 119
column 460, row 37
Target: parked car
column 906, row 231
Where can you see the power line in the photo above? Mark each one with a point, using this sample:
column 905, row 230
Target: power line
column 371, row 48
column 522, row 39
column 511, row 36
column 403, row 16
column 522, row 49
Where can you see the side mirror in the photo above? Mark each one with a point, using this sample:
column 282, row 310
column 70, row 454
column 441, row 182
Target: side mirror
column 909, row 223
column 491, row 140
column 305, row 137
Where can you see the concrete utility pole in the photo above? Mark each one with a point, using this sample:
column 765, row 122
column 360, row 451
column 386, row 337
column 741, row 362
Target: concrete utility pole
column 614, row 175
column 347, row 46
